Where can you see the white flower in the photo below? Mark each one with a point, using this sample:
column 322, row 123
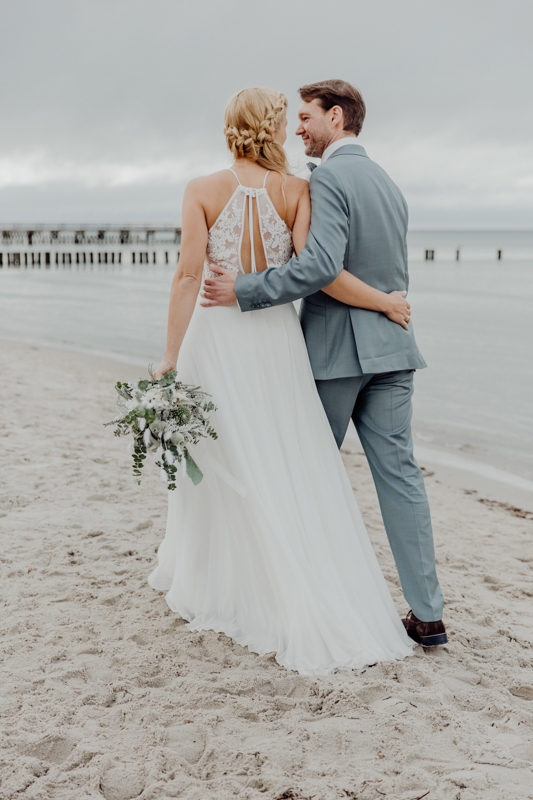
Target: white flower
column 131, row 447
column 153, row 394
column 167, row 435
column 126, row 405
column 177, row 438
column 147, row 437
column 159, row 452
column 169, row 458
column 142, row 423
column 164, row 476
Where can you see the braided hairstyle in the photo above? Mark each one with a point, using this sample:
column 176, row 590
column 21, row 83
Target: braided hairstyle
column 250, row 119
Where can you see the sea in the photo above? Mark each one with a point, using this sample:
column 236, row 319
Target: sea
column 471, row 294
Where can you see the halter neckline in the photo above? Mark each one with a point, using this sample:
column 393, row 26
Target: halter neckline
column 250, row 187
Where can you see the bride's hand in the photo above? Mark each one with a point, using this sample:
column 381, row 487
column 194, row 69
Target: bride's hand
column 164, row 366
column 398, row 309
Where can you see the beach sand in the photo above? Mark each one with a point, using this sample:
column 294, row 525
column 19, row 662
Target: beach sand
column 105, row 693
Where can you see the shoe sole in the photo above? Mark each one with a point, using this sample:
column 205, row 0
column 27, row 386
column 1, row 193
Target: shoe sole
column 426, row 641
column 435, row 640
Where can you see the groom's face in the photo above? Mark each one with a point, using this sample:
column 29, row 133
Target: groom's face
column 314, row 128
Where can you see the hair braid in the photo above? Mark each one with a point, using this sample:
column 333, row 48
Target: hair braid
column 252, row 116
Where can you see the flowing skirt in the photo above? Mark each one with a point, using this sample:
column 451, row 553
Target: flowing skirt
column 288, row 567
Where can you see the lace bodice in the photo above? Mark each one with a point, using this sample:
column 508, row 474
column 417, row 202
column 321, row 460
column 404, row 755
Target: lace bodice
column 225, row 236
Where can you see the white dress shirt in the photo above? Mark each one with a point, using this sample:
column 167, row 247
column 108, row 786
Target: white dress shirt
column 335, row 146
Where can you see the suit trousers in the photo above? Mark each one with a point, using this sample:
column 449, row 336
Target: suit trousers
column 381, row 408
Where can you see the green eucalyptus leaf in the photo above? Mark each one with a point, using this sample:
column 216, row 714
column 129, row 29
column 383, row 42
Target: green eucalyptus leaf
column 168, row 378
column 193, row 470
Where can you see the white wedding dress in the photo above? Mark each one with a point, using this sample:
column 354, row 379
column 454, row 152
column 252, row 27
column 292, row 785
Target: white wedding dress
column 270, row 547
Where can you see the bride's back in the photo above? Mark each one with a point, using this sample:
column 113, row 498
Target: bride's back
column 273, row 200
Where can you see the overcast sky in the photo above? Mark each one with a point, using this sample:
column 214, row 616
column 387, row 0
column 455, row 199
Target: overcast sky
column 108, row 107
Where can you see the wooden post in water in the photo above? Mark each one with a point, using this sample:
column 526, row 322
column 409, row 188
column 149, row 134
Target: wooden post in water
column 430, row 255
column 499, row 255
column 457, row 253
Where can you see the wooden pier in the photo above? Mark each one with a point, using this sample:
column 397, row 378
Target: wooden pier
column 87, row 246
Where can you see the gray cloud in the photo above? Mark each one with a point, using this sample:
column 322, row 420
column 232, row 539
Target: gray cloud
column 108, row 108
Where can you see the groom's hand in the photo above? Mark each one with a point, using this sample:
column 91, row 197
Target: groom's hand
column 398, row 309
column 219, row 291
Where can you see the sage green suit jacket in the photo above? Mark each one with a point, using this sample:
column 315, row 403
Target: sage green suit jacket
column 359, row 223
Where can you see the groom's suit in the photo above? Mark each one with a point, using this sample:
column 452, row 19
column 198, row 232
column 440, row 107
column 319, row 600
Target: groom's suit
column 362, row 362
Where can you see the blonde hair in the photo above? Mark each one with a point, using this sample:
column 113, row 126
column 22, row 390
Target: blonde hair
column 250, row 119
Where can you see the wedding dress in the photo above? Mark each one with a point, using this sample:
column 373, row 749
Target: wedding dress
column 270, row 548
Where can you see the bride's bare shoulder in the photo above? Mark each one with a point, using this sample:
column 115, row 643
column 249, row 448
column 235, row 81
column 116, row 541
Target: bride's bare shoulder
column 297, row 186
column 299, row 183
column 216, row 180
column 210, row 190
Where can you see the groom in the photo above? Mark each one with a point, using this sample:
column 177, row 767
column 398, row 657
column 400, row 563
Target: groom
column 362, row 362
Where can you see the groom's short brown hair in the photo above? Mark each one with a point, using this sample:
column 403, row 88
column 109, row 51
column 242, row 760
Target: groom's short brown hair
column 338, row 93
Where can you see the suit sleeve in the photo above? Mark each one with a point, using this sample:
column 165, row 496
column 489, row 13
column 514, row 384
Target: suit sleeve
column 318, row 264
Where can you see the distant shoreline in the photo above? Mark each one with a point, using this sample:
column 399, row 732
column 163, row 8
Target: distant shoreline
column 499, row 485
column 165, row 225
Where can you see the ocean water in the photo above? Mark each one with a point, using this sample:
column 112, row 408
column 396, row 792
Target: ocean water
column 473, row 320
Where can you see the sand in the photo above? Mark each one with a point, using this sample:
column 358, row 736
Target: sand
column 105, row 693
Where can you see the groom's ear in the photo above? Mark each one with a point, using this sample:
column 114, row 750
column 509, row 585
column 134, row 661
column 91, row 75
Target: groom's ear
column 336, row 115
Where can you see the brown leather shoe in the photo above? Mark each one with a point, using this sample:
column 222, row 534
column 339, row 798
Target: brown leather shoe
column 428, row 634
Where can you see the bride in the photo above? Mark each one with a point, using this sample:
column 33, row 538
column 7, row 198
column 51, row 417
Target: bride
column 270, row 548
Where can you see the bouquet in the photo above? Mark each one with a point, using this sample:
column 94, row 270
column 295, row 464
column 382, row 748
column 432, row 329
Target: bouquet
column 166, row 416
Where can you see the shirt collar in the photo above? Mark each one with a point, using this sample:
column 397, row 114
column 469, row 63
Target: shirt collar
column 335, row 146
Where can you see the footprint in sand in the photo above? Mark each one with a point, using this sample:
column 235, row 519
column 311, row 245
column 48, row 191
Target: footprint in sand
column 518, row 747
column 54, row 749
column 122, row 781
column 525, row 692
column 186, row 741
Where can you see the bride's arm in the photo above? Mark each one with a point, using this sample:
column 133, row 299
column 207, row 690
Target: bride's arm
column 347, row 288
column 188, row 277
